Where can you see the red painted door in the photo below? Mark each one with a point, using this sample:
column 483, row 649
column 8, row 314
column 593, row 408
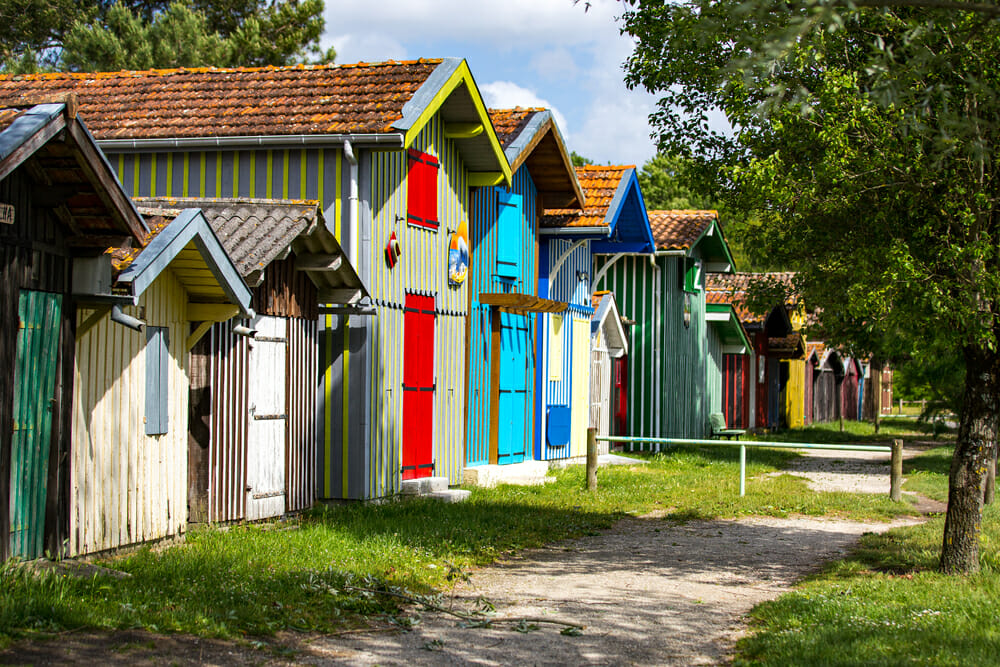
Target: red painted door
column 418, row 386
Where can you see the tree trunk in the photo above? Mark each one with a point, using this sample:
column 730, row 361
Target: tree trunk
column 977, row 431
column 991, row 478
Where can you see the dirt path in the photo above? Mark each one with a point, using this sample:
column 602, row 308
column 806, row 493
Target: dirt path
column 650, row 592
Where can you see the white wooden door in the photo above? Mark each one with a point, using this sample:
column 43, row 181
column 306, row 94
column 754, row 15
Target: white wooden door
column 580, row 394
column 268, row 419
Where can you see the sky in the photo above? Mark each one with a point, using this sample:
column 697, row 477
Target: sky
column 548, row 53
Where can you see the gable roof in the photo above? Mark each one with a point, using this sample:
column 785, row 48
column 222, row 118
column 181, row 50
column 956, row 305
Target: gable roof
column 685, row 230
column 721, row 288
column 615, row 214
column 256, row 232
column 80, row 186
column 531, row 137
column 386, row 102
column 184, row 242
column 606, row 317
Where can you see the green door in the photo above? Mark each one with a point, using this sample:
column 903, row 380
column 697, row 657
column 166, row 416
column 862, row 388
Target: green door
column 34, row 398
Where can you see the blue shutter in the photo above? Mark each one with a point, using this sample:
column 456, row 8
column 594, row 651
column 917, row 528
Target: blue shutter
column 157, row 398
column 509, row 224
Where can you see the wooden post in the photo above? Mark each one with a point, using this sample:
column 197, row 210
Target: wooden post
column 896, row 472
column 592, row 459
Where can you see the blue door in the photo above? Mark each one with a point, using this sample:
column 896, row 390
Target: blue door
column 512, row 441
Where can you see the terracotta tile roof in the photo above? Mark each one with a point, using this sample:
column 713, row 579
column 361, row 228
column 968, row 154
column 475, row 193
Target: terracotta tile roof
column 595, row 299
column 508, row 123
column 599, row 185
column 679, row 230
column 819, row 347
column 303, row 99
column 732, row 288
column 8, row 115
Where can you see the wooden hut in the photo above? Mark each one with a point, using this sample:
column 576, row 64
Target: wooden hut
column 129, row 464
column 391, row 150
column 252, row 450
column 849, row 387
column 614, row 223
column 608, row 343
column 774, row 343
column 676, row 346
column 59, row 204
column 503, row 287
column 827, row 376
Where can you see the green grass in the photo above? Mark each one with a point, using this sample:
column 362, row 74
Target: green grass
column 885, row 605
column 856, row 432
column 250, row 580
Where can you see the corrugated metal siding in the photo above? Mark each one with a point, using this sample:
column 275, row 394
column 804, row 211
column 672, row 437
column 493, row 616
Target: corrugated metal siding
column 668, row 362
column 300, row 475
column 368, row 465
column 483, row 279
column 228, row 369
column 127, row 487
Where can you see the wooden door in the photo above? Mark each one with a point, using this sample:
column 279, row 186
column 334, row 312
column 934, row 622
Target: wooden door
column 512, row 439
column 267, row 428
column 580, row 390
column 418, row 386
column 34, row 398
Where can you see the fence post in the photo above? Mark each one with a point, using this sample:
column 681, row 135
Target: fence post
column 743, row 470
column 592, row 459
column 896, row 472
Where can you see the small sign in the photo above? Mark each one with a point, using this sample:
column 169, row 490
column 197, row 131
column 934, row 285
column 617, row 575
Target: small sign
column 6, row 214
column 458, row 255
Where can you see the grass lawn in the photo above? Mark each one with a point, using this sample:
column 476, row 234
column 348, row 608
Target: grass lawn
column 256, row 579
column 885, row 605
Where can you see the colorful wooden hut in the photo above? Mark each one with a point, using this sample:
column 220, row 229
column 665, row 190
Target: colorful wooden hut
column 849, row 387
column 678, row 344
column 391, row 150
column 252, row 451
column 59, row 204
column 608, row 343
column 129, row 464
column 613, row 222
column 764, row 376
column 503, row 286
column 827, row 377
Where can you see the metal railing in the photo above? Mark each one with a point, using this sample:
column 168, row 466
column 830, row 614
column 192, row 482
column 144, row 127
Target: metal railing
column 896, row 451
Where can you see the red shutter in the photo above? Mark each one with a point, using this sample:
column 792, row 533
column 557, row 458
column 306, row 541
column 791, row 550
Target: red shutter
column 421, row 190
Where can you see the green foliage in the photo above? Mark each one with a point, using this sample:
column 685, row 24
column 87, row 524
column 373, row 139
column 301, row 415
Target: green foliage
column 666, row 183
column 134, row 34
column 884, row 605
column 578, row 160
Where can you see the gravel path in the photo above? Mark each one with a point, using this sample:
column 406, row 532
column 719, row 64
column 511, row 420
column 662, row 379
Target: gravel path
column 649, row 591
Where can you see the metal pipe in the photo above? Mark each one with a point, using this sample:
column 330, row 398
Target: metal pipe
column 747, row 443
column 241, row 330
column 392, row 140
column 743, row 470
column 352, row 201
column 119, row 316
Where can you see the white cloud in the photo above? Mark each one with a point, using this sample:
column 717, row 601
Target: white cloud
column 507, row 95
column 365, row 47
column 555, row 65
column 616, row 130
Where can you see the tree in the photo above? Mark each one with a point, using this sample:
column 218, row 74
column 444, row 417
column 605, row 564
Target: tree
column 101, row 35
column 865, row 141
column 578, row 160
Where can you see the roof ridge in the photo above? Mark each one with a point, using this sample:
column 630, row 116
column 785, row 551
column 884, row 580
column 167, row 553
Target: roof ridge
column 40, row 76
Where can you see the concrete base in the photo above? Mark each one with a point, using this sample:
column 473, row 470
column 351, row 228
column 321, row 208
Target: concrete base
column 526, row 473
column 451, row 495
column 423, row 486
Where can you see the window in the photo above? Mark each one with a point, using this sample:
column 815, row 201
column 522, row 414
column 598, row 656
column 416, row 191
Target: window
column 692, row 274
column 421, row 190
column 508, row 235
column 555, row 347
column 157, row 396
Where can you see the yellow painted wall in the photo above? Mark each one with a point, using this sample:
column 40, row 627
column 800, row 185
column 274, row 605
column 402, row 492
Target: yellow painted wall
column 125, row 486
column 795, row 393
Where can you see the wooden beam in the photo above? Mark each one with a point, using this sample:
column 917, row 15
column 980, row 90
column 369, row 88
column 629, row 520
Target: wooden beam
column 31, row 146
column 484, row 178
column 92, row 320
column 349, row 295
column 462, row 130
column 494, row 386
column 197, row 335
column 309, row 262
column 211, row 312
column 99, row 241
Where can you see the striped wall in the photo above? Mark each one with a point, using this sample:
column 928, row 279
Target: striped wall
column 294, row 173
column 361, row 440
column 713, row 367
column 668, row 362
column 127, row 487
column 483, row 279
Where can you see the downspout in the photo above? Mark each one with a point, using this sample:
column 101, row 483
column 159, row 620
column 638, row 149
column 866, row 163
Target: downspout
column 352, row 202
column 657, row 344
